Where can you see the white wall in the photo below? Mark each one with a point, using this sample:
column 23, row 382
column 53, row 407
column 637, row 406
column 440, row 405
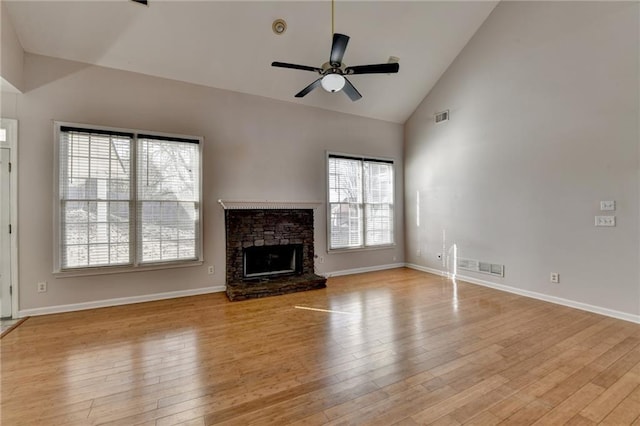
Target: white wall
column 255, row 149
column 11, row 54
column 8, row 105
column 544, row 125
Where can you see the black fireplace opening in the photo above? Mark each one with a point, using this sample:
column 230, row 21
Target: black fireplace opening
column 268, row 261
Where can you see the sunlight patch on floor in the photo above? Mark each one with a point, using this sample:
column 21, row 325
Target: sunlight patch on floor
column 307, row 308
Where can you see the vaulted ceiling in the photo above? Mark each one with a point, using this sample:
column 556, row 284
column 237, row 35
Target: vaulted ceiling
column 230, row 45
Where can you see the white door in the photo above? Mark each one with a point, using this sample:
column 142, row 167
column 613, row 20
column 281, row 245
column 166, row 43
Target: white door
column 5, row 237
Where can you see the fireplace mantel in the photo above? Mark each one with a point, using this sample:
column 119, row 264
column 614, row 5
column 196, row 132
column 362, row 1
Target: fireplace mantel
column 268, row 205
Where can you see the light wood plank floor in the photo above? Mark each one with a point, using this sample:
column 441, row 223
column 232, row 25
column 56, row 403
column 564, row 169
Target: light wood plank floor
column 401, row 347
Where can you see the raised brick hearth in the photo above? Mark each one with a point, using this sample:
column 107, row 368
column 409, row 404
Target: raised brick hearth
column 246, row 228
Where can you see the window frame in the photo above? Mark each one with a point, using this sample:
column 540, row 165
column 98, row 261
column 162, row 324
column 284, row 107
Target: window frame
column 135, row 241
column 363, row 246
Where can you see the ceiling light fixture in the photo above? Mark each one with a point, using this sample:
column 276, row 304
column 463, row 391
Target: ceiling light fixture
column 332, row 82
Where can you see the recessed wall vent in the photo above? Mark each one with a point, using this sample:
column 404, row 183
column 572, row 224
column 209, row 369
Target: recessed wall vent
column 468, row 264
column 442, row 116
column 497, row 270
column 482, row 267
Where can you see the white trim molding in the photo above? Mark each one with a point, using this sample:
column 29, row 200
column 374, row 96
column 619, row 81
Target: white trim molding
column 119, row 301
column 362, row 270
column 535, row 295
column 268, row 205
column 425, row 269
column 12, row 143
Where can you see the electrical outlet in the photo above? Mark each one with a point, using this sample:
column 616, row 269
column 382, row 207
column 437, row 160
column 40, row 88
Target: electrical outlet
column 321, row 259
column 605, row 221
column 418, row 252
column 607, row 205
column 211, row 270
column 554, row 277
column 42, row 287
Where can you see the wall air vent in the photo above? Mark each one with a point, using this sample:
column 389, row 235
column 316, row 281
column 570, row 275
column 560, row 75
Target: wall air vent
column 442, row 116
column 497, row 270
column 468, row 264
column 483, row 267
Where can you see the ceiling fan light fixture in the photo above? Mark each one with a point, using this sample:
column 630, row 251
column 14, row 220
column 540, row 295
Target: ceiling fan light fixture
column 332, row 73
column 332, row 82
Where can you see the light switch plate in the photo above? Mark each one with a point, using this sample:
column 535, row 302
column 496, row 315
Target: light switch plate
column 607, row 205
column 605, row 221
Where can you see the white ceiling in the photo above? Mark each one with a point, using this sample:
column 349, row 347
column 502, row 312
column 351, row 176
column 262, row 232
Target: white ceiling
column 230, row 45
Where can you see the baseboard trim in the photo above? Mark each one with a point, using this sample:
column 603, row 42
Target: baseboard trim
column 118, row 301
column 535, row 295
column 426, row 269
column 362, row 270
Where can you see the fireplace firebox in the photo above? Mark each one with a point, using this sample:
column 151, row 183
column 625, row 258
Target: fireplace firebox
column 269, row 261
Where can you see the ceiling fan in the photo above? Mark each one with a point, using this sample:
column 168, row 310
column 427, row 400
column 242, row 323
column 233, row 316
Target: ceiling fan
column 333, row 73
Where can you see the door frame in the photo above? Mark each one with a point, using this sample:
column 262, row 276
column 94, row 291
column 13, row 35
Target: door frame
column 12, row 143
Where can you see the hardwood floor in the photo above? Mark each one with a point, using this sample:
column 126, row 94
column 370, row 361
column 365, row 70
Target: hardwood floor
column 8, row 324
column 401, row 347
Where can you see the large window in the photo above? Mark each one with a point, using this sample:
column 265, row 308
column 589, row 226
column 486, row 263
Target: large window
column 126, row 198
column 360, row 202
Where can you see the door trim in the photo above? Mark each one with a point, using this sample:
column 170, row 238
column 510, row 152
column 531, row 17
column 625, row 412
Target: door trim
column 12, row 137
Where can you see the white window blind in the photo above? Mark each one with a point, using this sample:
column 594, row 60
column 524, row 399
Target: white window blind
column 115, row 211
column 345, row 202
column 360, row 202
column 95, row 194
column 168, row 199
column 378, row 203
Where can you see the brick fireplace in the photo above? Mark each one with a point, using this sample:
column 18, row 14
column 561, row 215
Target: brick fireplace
column 270, row 249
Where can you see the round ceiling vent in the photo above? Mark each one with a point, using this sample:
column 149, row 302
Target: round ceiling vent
column 279, row 26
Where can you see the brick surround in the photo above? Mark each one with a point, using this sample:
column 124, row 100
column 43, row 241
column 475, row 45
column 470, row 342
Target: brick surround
column 266, row 227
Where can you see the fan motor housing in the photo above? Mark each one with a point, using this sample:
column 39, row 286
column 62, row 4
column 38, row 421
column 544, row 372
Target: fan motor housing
column 327, row 68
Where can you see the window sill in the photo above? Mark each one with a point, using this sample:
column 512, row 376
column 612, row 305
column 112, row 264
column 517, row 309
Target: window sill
column 106, row 270
column 354, row 249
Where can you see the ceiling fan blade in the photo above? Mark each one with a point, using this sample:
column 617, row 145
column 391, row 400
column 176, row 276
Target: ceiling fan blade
column 373, row 69
column 338, row 48
column 295, row 67
column 351, row 91
column 309, row 88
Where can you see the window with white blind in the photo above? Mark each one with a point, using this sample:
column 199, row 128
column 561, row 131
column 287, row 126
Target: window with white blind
column 360, row 207
column 126, row 198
